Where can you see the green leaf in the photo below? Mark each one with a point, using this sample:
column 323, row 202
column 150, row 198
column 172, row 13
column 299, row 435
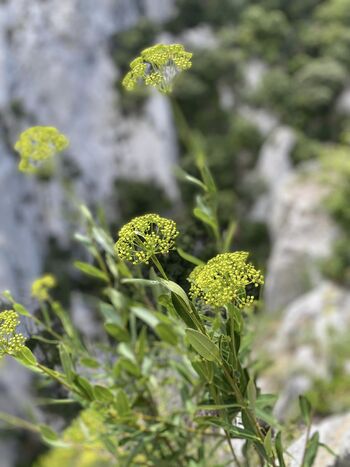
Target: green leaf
column 141, row 345
column 47, row 433
column 66, row 362
column 176, row 289
column 83, row 239
column 109, row 313
column 145, row 282
column 184, row 176
column 103, row 239
column 183, row 311
column 327, row 448
column 89, row 362
column 86, row 214
column 279, row 449
column 21, row 310
column 190, row 258
column 83, row 385
column 203, row 345
column 311, row 450
column 52, row 438
column 218, row 406
column 117, row 332
column 204, row 368
column 234, row 431
column 267, row 417
column 90, row 270
column 305, row 408
column 118, row 300
column 266, row 400
column 251, row 393
column 205, row 217
column 27, row 358
column 145, row 315
column 8, row 296
column 103, row 394
column 122, row 403
column 126, row 365
column 166, row 333
column 227, row 240
column 268, row 443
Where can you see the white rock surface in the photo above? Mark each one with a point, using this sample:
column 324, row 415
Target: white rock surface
column 254, row 73
column 199, row 37
column 343, row 102
column 264, row 120
column 55, row 64
column 302, row 235
column 335, row 432
column 309, row 327
column 273, row 166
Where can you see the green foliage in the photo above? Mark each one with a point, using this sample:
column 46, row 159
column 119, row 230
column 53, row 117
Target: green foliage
column 171, row 378
column 263, row 32
column 137, row 197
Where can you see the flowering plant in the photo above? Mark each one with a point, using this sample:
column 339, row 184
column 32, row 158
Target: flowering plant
column 171, row 377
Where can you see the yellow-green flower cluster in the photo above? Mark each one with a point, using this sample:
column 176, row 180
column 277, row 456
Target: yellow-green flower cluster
column 41, row 287
column 225, row 279
column 10, row 342
column 37, row 145
column 144, row 237
column 157, row 66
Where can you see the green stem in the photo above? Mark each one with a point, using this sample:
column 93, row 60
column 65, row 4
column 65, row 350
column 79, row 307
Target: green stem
column 159, row 267
column 216, row 398
column 308, row 430
column 45, row 314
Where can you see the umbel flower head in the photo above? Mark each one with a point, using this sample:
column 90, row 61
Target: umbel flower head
column 41, row 287
column 157, row 66
column 10, row 342
column 225, row 279
column 37, row 145
column 144, row 237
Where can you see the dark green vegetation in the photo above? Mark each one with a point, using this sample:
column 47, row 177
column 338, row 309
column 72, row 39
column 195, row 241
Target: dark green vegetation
column 304, row 47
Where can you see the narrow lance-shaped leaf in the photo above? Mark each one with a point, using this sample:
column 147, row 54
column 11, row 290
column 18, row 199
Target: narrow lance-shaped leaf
column 203, row 345
column 305, row 408
column 311, row 450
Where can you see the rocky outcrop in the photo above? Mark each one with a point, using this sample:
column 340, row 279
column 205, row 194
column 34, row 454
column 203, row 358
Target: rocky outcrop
column 302, row 234
column 55, row 69
column 335, row 433
column 303, row 340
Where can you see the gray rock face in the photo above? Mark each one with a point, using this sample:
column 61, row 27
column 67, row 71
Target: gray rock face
column 273, row 166
column 309, row 327
column 302, row 234
column 55, row 69
column 335, row 432
column 343, row 102
column 264, row 120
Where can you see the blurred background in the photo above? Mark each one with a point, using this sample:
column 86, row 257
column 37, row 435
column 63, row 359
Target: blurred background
column 268, row 98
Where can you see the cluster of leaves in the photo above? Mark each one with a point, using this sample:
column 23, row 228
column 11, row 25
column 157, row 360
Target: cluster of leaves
column 169, row 380
column 303, row 46
column 161, row 348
